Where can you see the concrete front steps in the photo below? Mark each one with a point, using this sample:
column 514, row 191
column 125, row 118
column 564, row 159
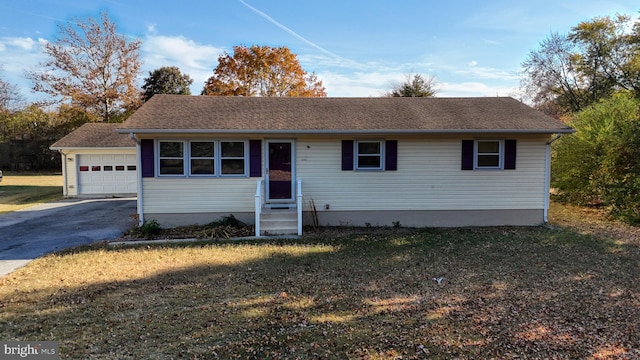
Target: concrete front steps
column 278, row 221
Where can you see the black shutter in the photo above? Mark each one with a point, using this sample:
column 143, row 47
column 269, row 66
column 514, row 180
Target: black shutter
column 146, row 158
column 255, row 158
column 509, row 154
column 391, row 155
column 467, row 155
column 347, row 155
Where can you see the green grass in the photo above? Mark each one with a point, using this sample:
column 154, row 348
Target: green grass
column 357, row 293
column 18, row 191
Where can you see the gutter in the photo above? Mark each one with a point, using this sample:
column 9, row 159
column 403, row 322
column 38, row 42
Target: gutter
column 91, row 148
column 345, row 131
column 138, row 178
column 65, row 182
column 133, row 137
column 547, row 178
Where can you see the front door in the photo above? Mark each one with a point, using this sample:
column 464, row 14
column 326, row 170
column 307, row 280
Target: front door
column 280, row 170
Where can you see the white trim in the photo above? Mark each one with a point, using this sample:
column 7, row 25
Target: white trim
column 293, row 170
column 258, row 206
column 65, row 180
column 500, row 154
column 245, row 158
column 158, row 158
column 139, row 176
column 186, row 158
column 215, row 152
column 356, row 155
column 299, row 204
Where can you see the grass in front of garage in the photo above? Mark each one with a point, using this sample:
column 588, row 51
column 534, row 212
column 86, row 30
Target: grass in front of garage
column 21, row 190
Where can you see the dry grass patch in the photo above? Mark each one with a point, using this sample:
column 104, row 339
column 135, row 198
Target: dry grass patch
column 526, row 293
column 19, row 191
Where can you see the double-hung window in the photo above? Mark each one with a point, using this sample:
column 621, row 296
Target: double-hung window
column 366, row 155
column 369, row 155
column 488, row 154
column 202, row 158
column 171, row 158
column 232, row 158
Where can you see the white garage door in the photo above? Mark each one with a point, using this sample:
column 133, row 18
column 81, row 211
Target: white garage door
column 107, row 174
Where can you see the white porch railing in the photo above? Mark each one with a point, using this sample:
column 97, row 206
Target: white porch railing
column 259, row 204
column 258, row 201
column 299, row 204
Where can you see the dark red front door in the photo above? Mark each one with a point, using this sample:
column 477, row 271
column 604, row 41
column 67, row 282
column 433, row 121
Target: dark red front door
column 280, row 174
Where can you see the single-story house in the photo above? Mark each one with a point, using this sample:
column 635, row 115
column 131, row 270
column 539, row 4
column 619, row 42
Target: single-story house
column 280, row 163
column 97, row 161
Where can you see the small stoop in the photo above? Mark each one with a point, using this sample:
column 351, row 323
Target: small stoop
column 278, row 220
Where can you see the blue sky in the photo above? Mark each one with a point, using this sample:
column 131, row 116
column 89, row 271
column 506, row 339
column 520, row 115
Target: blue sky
column 358, row 48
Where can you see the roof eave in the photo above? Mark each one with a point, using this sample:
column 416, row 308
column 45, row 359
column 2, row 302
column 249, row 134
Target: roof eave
column 347, row 131
column 57, row 148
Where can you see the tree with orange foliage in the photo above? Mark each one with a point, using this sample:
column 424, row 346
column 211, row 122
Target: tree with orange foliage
column 262, row 71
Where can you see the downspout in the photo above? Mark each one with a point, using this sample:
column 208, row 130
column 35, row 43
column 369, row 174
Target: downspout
column 65, row 182
column 547, row 178
column 139, row 177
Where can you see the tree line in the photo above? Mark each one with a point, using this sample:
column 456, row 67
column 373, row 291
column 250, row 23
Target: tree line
column 590, row 78
column 90, row 75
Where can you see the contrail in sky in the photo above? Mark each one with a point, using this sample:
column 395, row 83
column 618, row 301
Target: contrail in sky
column 273, row 21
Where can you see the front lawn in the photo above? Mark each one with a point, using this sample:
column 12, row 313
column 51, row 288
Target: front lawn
column 22, row 190
column 564, row 292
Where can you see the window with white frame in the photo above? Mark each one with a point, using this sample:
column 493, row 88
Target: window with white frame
column 171, row 158
column 232, row 158
column 488, row 154
column 202, row 158
column 369, row 155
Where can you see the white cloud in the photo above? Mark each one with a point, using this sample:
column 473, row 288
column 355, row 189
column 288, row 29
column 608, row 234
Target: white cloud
column 23, row 43
column 474, row 89
column 473, row 71
column 20, row 45
column 359, row 84
column 20, row 55
column 488, row 73
column 193, row 59
column 352, row 85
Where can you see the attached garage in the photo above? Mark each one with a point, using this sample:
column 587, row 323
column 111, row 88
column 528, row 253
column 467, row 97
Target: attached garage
column 106, row 174
column 97, row 161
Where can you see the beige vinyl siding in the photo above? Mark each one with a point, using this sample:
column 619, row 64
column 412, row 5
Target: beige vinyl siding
column 71, row 172
column 428, row 178
column 196, row 195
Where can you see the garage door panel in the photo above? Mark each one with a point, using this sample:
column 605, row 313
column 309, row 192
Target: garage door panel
column 106, row 174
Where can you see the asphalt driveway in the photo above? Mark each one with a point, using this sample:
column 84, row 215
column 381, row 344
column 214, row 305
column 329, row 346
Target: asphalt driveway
column 42, row 229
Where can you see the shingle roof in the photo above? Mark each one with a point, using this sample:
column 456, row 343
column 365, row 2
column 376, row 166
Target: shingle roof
column 94, row 135
column 208, row 114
